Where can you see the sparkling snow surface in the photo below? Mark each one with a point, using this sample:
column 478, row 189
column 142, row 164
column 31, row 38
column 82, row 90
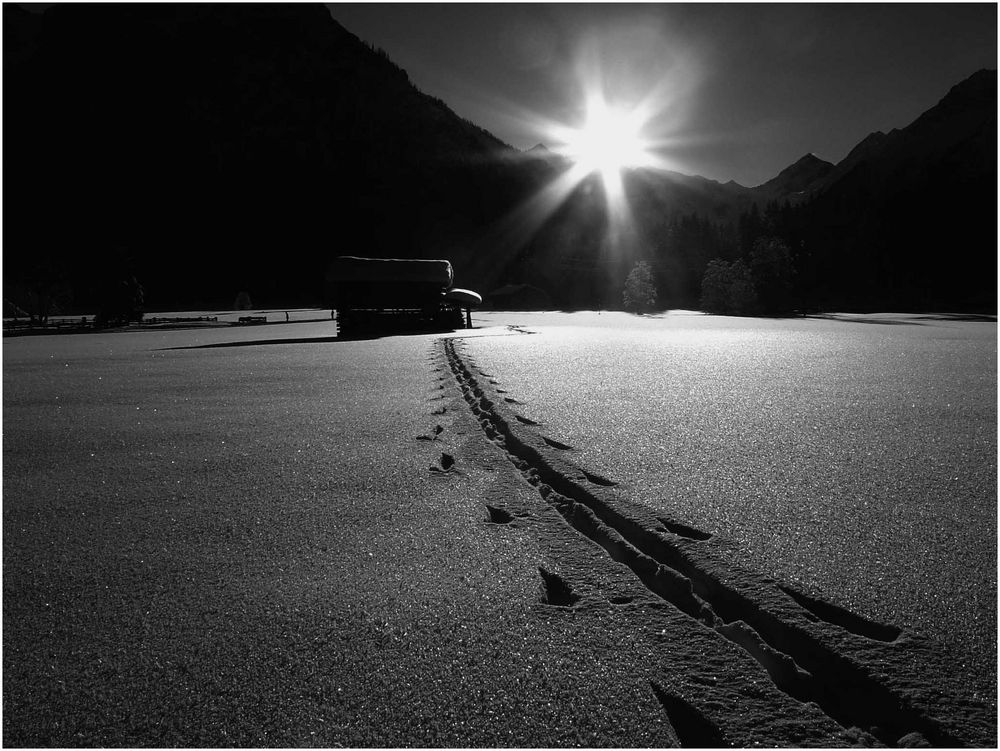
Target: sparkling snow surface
column 235, row 536
column 854, row 456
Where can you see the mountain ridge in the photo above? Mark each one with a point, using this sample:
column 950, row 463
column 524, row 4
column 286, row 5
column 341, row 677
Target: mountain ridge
column 282, row 139
column 796, row 178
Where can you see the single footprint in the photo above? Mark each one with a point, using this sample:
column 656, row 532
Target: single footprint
column 498, row 515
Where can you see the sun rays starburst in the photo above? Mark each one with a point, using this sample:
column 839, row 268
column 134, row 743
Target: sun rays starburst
column 610, row 139
column 634, row 97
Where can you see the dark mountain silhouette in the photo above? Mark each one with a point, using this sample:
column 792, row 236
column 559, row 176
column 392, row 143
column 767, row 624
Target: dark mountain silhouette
column 797, row 180
column 219, row 148
column 211, row 149
column 957, row 133
column 909, row 217
column 868, row 148
column 693, row 194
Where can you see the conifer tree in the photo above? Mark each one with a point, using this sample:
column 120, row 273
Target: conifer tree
column 639, row 295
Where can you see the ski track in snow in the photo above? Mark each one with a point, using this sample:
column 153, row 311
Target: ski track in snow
column 659, row 551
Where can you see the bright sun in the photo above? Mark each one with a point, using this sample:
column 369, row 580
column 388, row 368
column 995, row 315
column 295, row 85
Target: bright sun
column 609, row 141
column 638, row 126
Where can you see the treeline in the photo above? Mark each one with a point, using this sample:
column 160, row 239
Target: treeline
column 758, row 264
column 933, row 252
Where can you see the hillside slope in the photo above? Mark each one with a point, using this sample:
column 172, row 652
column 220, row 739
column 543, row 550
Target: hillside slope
column 226, row 147
column 909, row 218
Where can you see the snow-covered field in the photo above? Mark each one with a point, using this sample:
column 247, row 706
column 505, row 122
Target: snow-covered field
column 854, row 456
column 256, row 536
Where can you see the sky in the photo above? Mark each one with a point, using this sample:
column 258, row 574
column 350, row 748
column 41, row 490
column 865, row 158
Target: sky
column 731, row 91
